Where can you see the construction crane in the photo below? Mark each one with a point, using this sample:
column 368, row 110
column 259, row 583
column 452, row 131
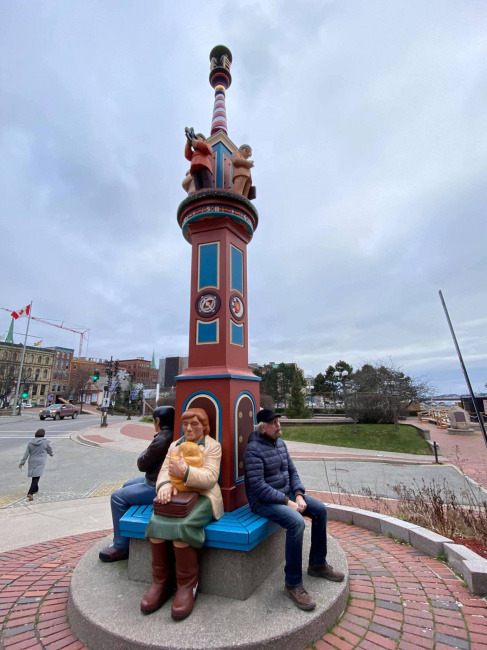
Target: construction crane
column 77, row 329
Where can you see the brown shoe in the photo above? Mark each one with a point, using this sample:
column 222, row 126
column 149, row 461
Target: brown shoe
column 112, row 554
column 301, row 598
column 30, row 497
column 327, row 572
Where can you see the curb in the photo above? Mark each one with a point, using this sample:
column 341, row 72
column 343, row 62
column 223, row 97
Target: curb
column 366, row 459
column 461, row 559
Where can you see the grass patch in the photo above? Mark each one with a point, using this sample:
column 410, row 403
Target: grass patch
column 380, row 437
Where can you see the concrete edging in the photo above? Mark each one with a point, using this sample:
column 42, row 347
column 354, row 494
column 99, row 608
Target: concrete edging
column 462, row 560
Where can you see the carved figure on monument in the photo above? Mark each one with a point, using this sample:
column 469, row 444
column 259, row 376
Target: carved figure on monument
column 188, row 183
column 275, row 491
column 140, row 490
column 200, row 154
column 242, row 179
column 175, row 539
column 459, row 421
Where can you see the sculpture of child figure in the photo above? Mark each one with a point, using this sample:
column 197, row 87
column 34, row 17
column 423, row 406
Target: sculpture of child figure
column 242, row 178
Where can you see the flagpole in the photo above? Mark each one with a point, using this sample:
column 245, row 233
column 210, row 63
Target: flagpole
column 465, row 374
column 19, row 378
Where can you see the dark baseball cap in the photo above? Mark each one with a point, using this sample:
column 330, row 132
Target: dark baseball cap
column 266, row 415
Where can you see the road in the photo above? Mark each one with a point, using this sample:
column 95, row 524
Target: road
column 76, row 471
column 380, row 478
column 19, row 429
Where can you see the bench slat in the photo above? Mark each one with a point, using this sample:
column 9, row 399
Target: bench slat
column 239, row 530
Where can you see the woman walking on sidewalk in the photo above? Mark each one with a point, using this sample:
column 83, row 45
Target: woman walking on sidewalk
column 36, row 452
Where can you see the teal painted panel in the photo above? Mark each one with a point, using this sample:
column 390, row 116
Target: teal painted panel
column 237, row 269
column 207, row 332
column 208, row 266
column 236, row 333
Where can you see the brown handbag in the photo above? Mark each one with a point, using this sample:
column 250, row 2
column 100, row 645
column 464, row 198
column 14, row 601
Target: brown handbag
column 179, row 506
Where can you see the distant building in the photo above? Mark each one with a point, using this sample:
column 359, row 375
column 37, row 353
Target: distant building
column 169, row 369
column 60, row 373
column 141, row 371
column 37, row 372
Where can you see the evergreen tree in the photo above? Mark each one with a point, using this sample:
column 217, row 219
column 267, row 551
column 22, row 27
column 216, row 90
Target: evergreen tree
column 297, row 407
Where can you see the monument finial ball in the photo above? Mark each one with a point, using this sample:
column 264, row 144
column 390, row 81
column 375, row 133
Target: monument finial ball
column 220, row 64
column 218, row 51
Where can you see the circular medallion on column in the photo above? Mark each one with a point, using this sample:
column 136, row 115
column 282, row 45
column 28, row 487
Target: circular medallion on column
column 237, row 307
column 207, row 305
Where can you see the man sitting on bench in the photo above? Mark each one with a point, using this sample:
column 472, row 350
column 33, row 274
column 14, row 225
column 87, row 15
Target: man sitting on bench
column 275, row 491
column 140, row 490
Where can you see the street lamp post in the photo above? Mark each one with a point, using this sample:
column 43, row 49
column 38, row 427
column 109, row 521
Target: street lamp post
column 342, row 376
column 395, row 406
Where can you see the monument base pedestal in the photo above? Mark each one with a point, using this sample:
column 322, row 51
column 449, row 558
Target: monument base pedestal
column 104, row 610
column 460, row 432
column 232, row 574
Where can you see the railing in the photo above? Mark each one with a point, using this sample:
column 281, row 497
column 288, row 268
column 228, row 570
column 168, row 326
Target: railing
column 435, row 416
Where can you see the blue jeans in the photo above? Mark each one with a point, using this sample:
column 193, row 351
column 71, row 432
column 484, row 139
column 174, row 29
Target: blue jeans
column 293, row 522
column 135, row 492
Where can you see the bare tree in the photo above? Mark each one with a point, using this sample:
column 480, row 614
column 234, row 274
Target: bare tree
column 8, row 378
column 80, row 383
column 378, row 391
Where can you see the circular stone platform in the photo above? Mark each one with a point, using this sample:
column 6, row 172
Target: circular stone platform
column 104, row 611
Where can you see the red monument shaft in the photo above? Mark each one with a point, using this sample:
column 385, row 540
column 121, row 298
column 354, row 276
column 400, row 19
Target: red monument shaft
column 219, row 221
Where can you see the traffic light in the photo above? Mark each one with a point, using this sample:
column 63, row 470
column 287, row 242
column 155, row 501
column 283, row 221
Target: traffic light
column 96, row 375
column 25, row 393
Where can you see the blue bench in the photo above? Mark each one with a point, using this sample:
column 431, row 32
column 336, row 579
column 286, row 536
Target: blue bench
column 240, row 530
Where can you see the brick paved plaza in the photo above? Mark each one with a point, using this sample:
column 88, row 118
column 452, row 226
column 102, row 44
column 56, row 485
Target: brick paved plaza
column 400, row 598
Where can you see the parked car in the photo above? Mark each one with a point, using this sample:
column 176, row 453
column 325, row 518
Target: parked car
column 59, row 412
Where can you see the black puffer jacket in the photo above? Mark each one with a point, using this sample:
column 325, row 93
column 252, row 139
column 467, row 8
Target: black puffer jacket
column 270, row 474
column 151, row 459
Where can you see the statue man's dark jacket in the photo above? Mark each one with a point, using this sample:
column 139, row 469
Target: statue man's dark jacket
column 270, row 474
column 151, row 459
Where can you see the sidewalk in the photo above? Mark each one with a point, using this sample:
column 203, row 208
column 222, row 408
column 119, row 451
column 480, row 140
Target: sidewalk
column 134, row 436
column 468, row 453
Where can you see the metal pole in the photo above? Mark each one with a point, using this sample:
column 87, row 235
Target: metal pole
column 22, row 364
column 435, row 449
column 469, row 385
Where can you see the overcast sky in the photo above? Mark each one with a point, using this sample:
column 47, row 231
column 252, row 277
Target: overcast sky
column 368, row 125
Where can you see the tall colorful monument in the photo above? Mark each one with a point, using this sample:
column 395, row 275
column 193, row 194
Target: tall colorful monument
column 218, row 220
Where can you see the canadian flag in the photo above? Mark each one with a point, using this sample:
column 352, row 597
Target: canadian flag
column 20, row 313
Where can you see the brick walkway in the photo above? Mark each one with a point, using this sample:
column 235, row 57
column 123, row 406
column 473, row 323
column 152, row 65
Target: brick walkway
column 399, row 598
column 468, row 453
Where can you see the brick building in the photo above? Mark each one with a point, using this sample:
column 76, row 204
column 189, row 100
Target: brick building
column 84, row 367
column 141, row 371
column 60, row 373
